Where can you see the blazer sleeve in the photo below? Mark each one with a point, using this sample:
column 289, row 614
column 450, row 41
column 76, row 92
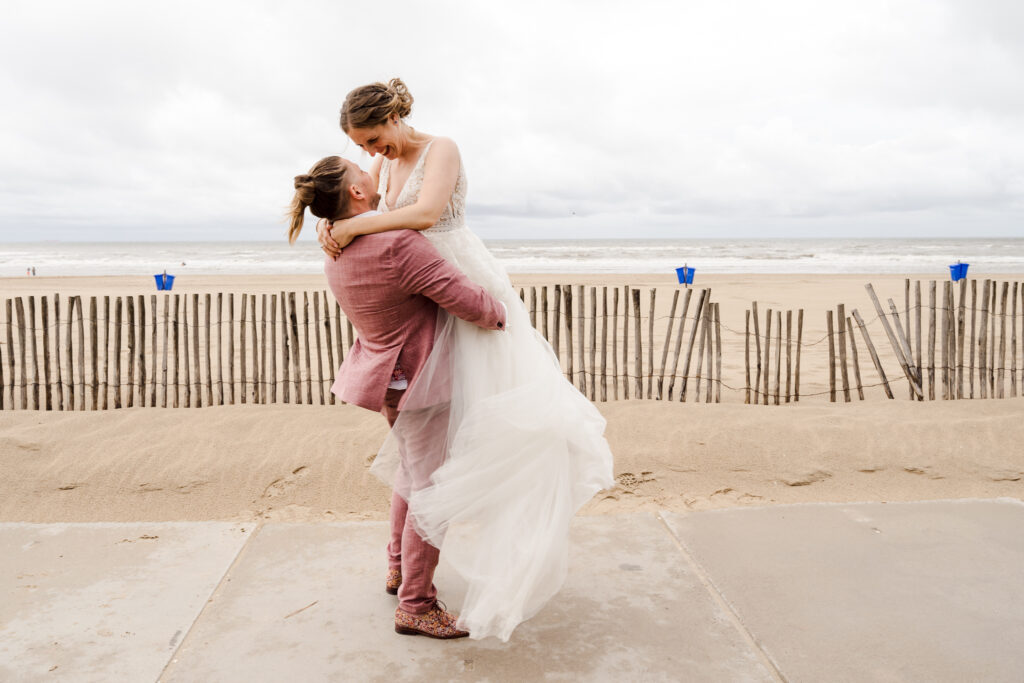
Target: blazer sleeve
column 420, row 269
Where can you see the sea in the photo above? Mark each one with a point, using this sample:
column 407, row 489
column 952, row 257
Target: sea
column 647, row 256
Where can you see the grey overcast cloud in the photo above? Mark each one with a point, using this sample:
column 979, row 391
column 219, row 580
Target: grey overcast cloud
column 794, row 118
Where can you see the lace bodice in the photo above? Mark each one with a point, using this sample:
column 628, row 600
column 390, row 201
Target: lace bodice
column 454, row 215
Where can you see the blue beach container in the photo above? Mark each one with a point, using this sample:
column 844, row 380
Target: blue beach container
column 958, row 271
column 164, row 281
column 685, row 275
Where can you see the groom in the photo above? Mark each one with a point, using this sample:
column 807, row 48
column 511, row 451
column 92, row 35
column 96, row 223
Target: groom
column 390, row 285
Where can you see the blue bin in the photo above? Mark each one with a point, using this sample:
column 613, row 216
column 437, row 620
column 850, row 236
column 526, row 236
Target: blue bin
column 685, row 275
column 164, row 281
column 958, row 271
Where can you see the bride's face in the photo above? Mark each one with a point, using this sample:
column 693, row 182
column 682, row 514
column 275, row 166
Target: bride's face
column 383, row 139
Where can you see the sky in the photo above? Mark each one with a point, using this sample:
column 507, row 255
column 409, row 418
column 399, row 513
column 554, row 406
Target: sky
column 591, row 119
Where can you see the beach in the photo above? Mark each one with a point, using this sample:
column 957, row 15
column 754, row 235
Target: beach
column 309, row 463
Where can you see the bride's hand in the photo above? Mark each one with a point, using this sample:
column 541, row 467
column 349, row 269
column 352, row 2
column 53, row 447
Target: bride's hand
column 323, row 236
column 344, row 231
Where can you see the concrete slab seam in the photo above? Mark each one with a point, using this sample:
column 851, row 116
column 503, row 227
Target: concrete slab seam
column 722, row 603
column 216, row 589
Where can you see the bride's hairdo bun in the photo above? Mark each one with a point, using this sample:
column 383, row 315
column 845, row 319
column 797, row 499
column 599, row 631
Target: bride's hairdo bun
column 372, row 105
column 322, row 191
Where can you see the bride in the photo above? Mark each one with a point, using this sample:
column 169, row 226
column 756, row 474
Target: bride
column 525, row 449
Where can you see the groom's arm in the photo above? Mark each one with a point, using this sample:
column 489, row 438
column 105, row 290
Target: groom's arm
column 420, row 269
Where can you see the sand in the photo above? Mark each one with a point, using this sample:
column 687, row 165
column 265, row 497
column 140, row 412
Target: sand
column 303, row 463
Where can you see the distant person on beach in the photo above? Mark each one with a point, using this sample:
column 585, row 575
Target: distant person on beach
column 524, row 449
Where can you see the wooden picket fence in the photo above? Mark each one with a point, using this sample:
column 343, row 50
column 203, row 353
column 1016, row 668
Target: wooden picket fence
column 195, row 350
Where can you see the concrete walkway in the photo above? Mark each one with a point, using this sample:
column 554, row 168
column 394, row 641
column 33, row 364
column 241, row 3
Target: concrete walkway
column 866, row 592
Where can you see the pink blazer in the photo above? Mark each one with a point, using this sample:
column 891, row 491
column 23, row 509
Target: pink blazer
column 390, row 285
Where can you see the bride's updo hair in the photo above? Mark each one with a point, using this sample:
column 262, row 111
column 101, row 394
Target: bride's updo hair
column 372, row 105
column 322, row 191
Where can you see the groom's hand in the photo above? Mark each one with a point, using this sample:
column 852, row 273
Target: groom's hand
column 327, row 243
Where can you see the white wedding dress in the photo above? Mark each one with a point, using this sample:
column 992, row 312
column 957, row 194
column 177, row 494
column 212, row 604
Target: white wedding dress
column 523, row 448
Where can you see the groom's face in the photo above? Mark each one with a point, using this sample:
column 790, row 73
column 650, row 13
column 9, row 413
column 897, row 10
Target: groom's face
column 361, row 182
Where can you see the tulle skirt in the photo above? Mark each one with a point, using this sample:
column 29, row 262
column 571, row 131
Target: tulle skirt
column 518, row 451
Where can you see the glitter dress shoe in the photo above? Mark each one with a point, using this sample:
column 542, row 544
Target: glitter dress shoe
column 393, row 581
column 437, row 623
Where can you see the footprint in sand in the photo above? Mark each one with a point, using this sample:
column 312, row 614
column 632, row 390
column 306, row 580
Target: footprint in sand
column 1006, row 475
column 283, row 485
column 926, row 471
column 807, row 479
column 629, row 482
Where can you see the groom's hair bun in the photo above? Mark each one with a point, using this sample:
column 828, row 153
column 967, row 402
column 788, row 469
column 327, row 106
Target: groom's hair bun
column 320, row 190
column 373, row 104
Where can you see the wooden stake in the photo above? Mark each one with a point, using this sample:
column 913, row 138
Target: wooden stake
column 569, row 348
column 305, row 335
column 638, row 367
column 874, row 354
column 615, row 343
column 799, row 345
column 703, row 334
column 47, row 390
column 556, row 343
column 293, row 323
column 332, row 369
column 856, row 363
column 22, row 365
column 231, row 348
column 130, row 314
column 209, row 351
column 709, row 333
column 256, row 378
column 931, row 341
column 338, row 335
column 533, row 307
column 33, row 351
column 544, row 311
column 141, row 304
column 983, row 342
column 1013, row 343
column 705, row 294
column 185, row 357
column 831, row 359
column 960, row 330
column 285, row 355
column 974, row 335
column 746, row 358
column 604, row 342
column 650, row 344
column 668, row 339
column 945, row 341
column 789, row 354
column 71, row 362
column 242, row 355
column 94, row 354
column 906, row 308
column 917, row 330
column 319, row 349
column 196, row 364
column 117, row 352
column 992, row 342
column 593, row 343
column 778, row 355
column 841, row 320
column 582, row 381
column 757, row 355
column 718, row 355
column 273, row 347
column 167, row 306
column 56, row 351
column 1001, row 381
column 81, row 354
column 152, row 307
column 767, row 355
column 625, row 342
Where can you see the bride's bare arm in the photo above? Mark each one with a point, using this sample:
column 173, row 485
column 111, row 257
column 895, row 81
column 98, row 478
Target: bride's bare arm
column 440, row 174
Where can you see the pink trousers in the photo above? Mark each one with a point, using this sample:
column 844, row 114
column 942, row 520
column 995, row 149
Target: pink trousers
column 416, row 558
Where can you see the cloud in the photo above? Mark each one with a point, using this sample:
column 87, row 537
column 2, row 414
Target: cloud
column 188, row 120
